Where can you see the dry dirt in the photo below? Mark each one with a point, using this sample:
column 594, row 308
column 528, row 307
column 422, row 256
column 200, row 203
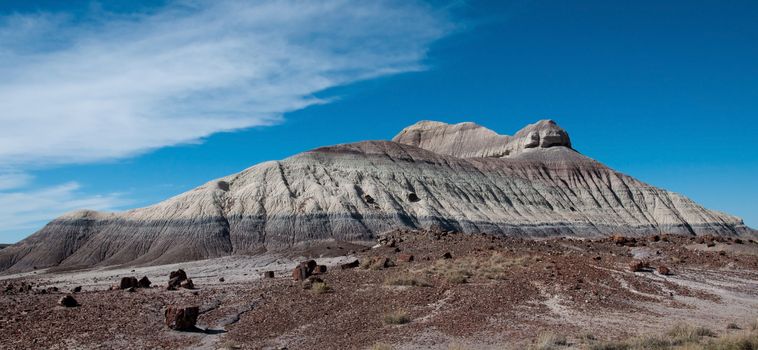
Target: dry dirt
column 493, row 293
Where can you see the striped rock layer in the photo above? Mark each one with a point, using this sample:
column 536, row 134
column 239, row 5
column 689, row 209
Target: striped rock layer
column 460, row 177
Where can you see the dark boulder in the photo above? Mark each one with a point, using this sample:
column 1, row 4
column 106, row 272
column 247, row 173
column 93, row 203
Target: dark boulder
column 68, row 301
column 144, row 282
column 128, row 282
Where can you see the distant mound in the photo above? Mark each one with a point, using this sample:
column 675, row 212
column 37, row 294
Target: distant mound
column 460, row 177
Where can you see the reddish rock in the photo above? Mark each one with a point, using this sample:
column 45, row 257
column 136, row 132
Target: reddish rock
column 68, row 301
column 655, row 238
column 405, row 257
column 144, row 282
column 268, row 274
column 619, row 239
column 663, row 270
column 128, row 282
column 300, row 273
column 351, row 265
column 182, row 318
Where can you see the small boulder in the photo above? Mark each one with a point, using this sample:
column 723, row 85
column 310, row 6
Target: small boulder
column 638, row 265
column 351, row 265
column 447, row 255
column 663, row 270
column 76, row 289
column 319, row 270
column 68, row 301
column 182, row 318
column 221, row 279
column 144, row 282
column 268, row 274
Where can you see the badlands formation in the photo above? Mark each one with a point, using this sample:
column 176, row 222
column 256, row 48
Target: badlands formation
column 432, row 175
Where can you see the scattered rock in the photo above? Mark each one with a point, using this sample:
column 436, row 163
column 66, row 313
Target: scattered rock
column 368, row 199
column 413, row 197
column 68, row 301
column 378, row 262
column 76, row 289
column 663, row 270
column 269, row 274
column 405, row 257
column 319, row 270
column 221, row 279
column 447, row 255
column 182, row 318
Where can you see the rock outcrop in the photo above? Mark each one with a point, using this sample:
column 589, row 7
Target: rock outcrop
column 462, row 177
column 469, row 140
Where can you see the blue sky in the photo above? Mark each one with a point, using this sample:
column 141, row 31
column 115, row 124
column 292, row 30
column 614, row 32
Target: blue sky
column 122, row 104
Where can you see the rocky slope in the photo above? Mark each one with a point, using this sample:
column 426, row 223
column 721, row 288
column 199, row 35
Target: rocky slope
column 460, row 177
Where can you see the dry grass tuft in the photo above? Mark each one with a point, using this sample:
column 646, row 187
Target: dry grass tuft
column 406, row 280
column 381, row 346
column 397, row 317
column 321, row 288
column 550, row 341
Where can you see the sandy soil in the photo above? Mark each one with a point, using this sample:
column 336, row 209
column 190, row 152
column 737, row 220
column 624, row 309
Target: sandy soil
column 493, row 293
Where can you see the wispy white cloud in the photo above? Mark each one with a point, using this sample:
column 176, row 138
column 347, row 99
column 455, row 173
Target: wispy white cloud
column 13, row 180
column 21, row 212
column 101, row 86
column 81, row 90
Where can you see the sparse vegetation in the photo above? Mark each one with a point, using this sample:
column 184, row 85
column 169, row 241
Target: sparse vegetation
column 381, row 346
column 494, row 267
column 684, row 337
column 550, row 341
column 406, row 280
column 397, row 317
column 321, row 288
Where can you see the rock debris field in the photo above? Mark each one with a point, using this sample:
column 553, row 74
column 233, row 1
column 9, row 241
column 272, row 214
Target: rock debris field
column 414, row 289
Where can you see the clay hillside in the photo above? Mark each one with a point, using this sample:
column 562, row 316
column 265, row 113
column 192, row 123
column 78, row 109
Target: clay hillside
column 462, row 177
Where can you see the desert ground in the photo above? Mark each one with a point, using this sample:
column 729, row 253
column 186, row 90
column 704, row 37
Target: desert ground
column 412, row 290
